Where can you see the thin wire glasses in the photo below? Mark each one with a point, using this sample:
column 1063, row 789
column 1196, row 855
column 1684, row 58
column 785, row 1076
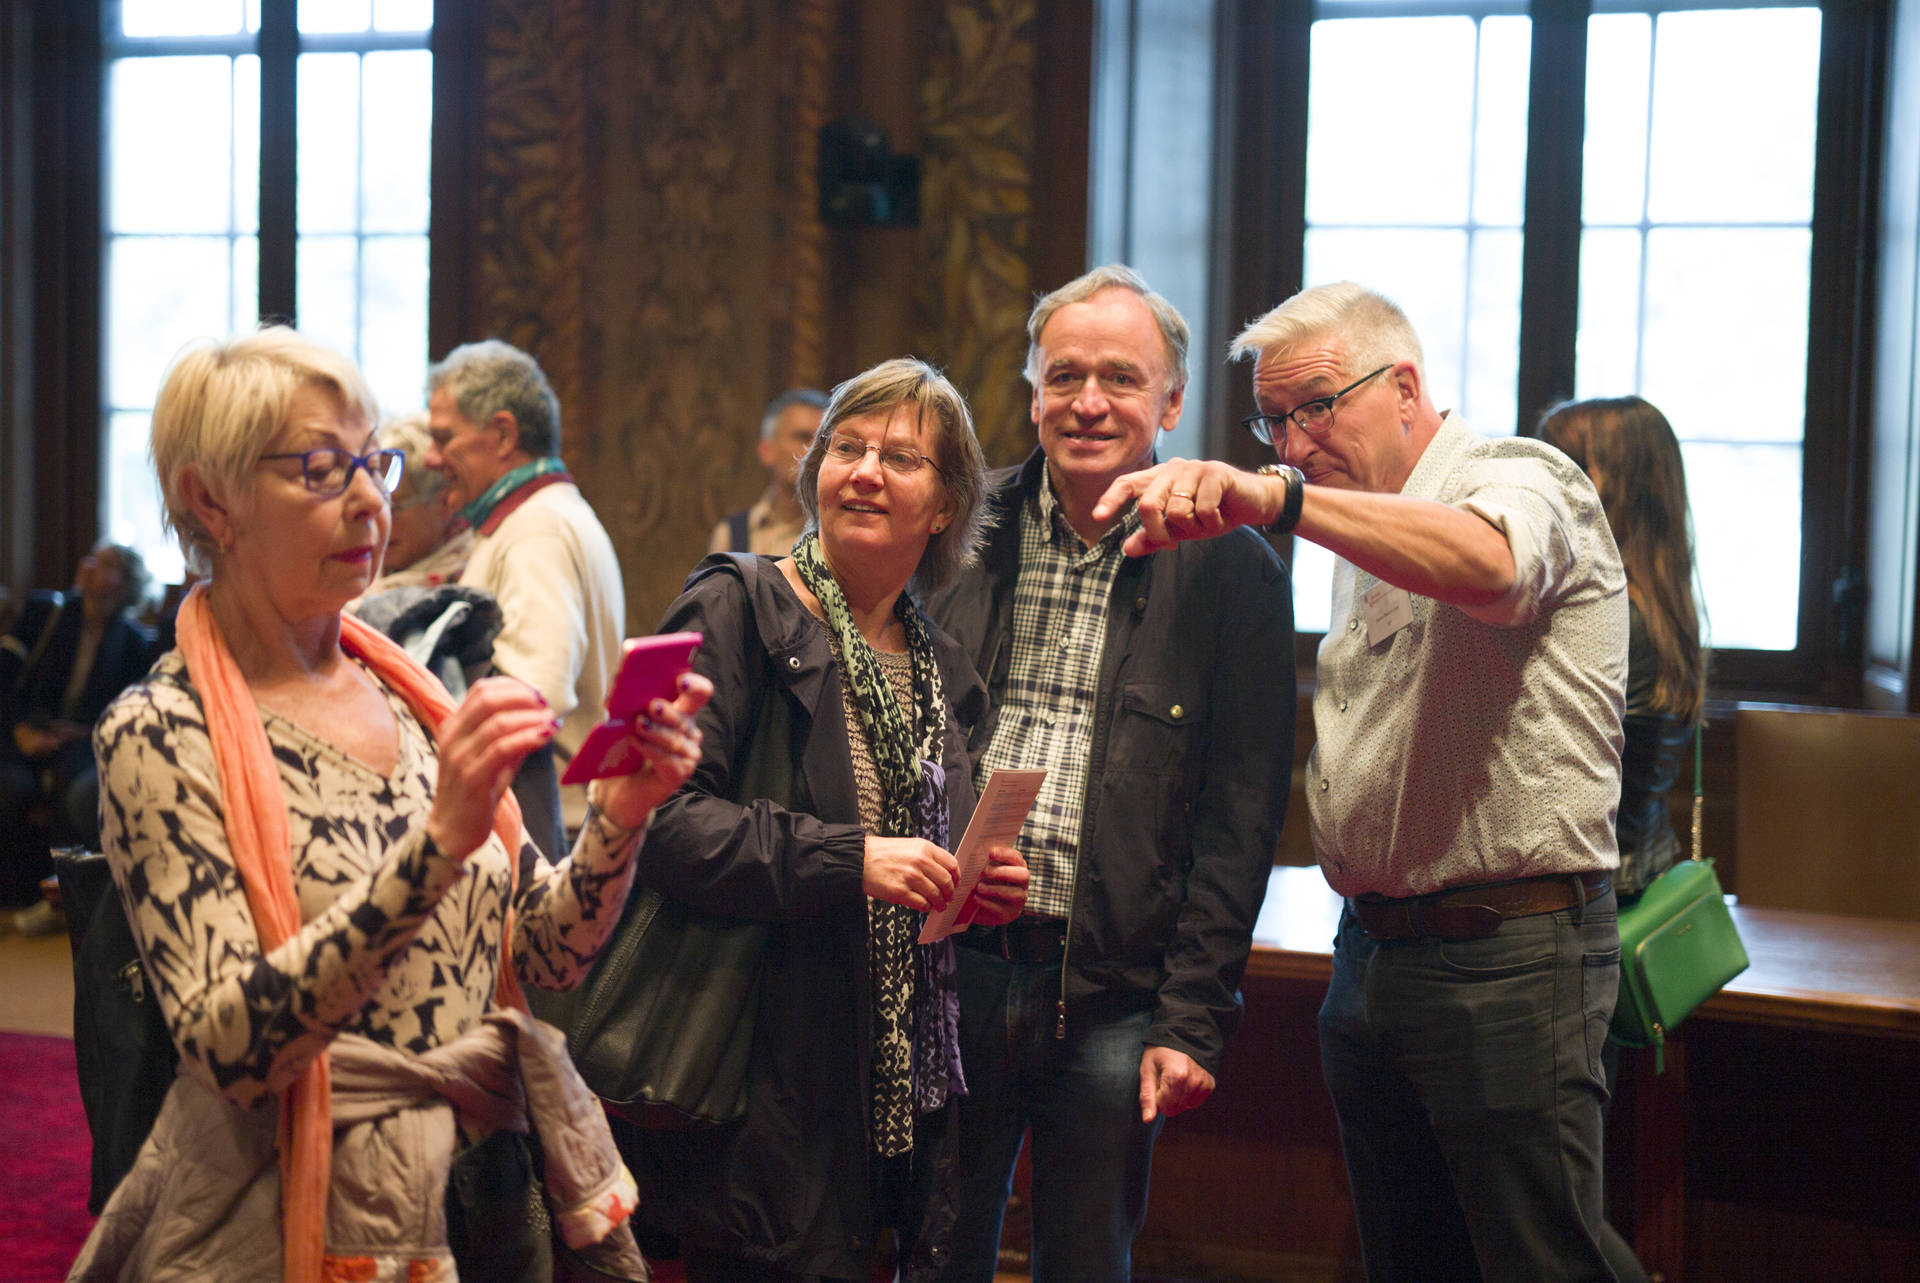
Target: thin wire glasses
column 328, row 471
column 1315, row 417
column 897, row 459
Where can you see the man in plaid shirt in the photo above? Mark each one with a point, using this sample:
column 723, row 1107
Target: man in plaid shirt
column 1158, row 693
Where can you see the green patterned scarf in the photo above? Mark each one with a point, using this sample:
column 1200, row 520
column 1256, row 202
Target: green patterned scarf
column 915, row 1057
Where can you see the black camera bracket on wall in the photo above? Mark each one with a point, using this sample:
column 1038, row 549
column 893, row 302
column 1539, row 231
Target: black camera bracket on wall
column 862, row 183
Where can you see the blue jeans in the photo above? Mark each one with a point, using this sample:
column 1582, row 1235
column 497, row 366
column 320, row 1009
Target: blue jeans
column 1081, row 1097
column 1467, row 1077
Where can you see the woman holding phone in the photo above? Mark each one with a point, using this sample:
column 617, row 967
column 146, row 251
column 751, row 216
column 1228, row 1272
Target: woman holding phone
column 329, row 887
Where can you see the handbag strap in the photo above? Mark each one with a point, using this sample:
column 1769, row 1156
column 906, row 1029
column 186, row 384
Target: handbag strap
column 1698, row 728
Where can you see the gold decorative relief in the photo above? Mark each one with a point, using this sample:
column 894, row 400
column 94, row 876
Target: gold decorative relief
column 975, row 286
column 684, row 277
column 530, row 242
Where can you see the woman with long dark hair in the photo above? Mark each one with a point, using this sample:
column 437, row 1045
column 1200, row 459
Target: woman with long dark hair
column 1627, row 447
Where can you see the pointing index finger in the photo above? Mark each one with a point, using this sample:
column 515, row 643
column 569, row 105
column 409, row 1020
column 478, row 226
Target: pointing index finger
column 1124, row 488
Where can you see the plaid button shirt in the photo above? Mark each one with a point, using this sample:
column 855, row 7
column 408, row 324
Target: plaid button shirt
column 1058, row 634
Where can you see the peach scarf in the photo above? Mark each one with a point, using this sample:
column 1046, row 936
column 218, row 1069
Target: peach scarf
column 256, row 821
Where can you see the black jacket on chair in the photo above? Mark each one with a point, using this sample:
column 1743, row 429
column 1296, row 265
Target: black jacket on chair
column 788, row 1186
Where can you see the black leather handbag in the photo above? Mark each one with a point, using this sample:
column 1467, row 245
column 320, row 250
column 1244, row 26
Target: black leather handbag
column 123, row 1055
column 662, row 1027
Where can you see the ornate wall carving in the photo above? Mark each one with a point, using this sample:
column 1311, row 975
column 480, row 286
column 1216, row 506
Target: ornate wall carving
column 684, row 273
column 801, row 333
column 530, row 242
column 646, row 223
column 975, row 284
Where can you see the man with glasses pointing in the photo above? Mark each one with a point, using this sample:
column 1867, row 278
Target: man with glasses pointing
column 1461, row 788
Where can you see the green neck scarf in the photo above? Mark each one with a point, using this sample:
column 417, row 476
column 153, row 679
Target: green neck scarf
column 480, row 509
column 899, row 746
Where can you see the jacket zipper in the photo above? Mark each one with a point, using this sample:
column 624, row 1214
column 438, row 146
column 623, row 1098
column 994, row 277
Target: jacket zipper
column 1060, row 1004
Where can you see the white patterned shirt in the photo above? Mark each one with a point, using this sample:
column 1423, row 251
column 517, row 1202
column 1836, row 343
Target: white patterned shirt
column 1478, row 745
column 1058, row 635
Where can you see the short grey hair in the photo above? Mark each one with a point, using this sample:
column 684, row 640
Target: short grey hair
column 908, row 381
column 220, row 406
column 487, row 377
column 1376, row 330
column 811, row 397
column 1173, row 326
column 410, row 435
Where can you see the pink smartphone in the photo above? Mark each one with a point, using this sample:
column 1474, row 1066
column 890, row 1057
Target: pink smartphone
column 650, row 669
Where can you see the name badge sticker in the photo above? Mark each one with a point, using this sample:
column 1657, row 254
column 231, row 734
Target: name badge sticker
column 1388, row 610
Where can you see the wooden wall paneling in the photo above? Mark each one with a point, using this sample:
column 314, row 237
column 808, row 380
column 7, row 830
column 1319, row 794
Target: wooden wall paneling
column 1260, row 138
column 639, row 210
column 799, row 291
column 880, row 62
column 975, row 284
column 1792, row 1169
column 63, row 336
column 16, row 298
column 1252, row 1185
column 459, row 116
column 527, row 258
column 683, row 271
column 1063, row 128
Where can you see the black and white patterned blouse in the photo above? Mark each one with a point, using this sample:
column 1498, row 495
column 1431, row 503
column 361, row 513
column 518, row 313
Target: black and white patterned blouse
column 400, row 943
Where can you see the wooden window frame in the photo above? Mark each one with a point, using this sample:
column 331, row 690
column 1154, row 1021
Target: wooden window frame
column 1261, row 163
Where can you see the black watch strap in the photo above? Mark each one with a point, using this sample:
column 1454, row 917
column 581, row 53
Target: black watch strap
column 1290, row 507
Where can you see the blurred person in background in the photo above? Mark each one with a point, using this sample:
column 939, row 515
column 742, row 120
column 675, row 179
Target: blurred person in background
column 538, row 547
column 775, row 520
column 428, row 546
column 1628, row 450
column 61, row 664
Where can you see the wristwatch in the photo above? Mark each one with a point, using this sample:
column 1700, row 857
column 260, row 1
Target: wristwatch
column 1296, row 491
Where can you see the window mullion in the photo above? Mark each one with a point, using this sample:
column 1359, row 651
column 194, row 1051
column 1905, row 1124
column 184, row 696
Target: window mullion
column 279, row 168
column 1550, row 257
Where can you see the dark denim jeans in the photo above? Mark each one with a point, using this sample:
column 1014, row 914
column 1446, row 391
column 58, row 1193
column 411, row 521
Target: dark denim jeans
column 1081, row 1097
column 1468, row 1081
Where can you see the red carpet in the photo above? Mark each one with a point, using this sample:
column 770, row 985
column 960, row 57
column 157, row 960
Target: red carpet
column 44, row 1157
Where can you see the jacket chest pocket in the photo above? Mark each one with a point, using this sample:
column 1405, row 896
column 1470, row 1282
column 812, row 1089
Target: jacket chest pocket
column 1156, row 730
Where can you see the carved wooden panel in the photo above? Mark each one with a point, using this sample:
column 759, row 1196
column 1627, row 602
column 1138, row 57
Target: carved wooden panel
column 800, row 333
column 645, row 222
column 685, row 278
column 530, row 244
column 975, row 286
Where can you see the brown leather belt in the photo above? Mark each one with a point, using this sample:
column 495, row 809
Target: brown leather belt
column 1467, row 913
column 1022, row 940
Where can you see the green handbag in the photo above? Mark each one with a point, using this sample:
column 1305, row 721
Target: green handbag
column 1678, row 947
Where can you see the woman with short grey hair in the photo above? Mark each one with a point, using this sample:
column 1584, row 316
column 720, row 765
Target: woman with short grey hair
column 854, row 1068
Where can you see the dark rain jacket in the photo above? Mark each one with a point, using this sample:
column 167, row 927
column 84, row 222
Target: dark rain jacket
column 789, row 1185
column 1192, row 757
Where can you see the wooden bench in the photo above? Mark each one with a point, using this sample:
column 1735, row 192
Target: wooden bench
column 1827, row 811
column 1779, row 1143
